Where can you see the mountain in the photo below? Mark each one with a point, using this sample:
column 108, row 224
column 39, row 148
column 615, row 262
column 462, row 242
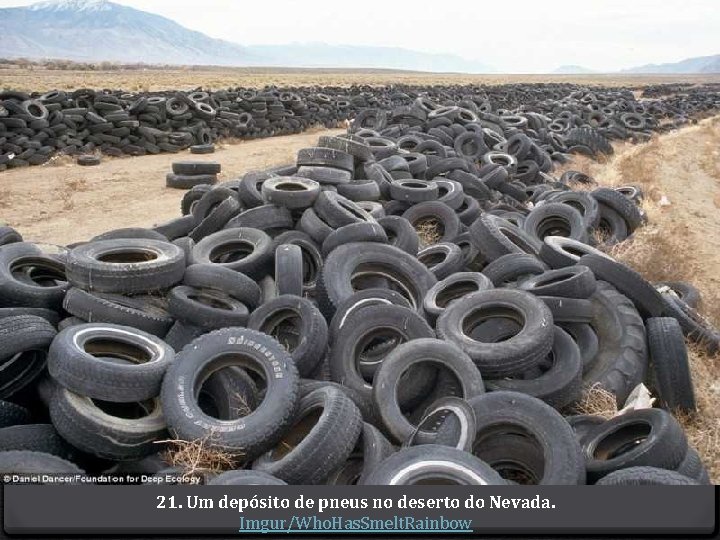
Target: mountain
column 100, row 30
column 701, row 64
column 572, row 70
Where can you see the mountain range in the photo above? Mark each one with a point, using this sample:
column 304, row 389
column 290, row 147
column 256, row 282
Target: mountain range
column 100, row 30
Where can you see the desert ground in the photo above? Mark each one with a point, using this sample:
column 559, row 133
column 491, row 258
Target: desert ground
column 41, row 78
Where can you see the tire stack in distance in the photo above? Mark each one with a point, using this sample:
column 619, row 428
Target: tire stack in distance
column 388, row 309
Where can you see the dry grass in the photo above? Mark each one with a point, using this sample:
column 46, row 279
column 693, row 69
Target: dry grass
column 596, row 401
column 199, row 457
column 428, row 231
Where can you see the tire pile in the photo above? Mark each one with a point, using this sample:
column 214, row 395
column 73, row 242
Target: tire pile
column 418, row 301
column 36, row 126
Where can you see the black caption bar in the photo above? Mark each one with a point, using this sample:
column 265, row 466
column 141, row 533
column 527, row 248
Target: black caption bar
column 347, row 510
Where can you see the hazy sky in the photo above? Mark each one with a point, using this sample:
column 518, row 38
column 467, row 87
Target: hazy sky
column 511, row 35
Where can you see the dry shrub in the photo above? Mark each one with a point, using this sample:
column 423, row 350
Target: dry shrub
column 198, row 457
column 428, row 231
column 596, row 401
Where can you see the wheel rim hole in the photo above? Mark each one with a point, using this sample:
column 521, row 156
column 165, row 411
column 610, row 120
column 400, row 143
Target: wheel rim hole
column 127, row 256
column 513, row 452
column 231, row 252
column 493, row 324
column 622, row 441
column 373, row 348
column 211, row 300
column 284, row 326
column 228, row 394
column 295, row 435
column 41, row 272
column 127, row 411
column 240, row 403
column 116, row 349
column 290, row 186
column 455, row 291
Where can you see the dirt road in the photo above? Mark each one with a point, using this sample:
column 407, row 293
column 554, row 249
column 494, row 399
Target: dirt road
column 62, row 202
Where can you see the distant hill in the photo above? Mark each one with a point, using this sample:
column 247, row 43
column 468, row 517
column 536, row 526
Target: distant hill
column 572, row 70
column 100, row 30
column 701, row 64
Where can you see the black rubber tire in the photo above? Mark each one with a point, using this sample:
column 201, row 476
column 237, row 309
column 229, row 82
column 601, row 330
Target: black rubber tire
column 83, row 359
column 253, row 434
column 12, row 414
column 86, row 426
column 669, row 364
column 312, row 260
column 289, row 270
column 586, row 339
column 646, row 476
column 325, row 157
column 144, row 265
column 629, row 282
column 451, row 421
column 181, row 334
column 196, row 167
column 694, row 326
column 612, row 228
column 570, row 282
column 400, row 233
column 268, row 218
column 559, row 252
column 621, row 204
column 130, row 232
column 453, row 288
column 188, row 181
column 693, row 467
column 220, row 278
column 206, row 308
column 621, row 362
column 335, row 283
column 122, row 310
column 228, row 394
column 15, row 292
column 494, row 237
column 361, row 300
column 192, row 196
column 583, row 203
column 521, row 432
column 555, row 219
column 345, row 357
column 314, row 226
column 49, row 315
column 224, row 244
column 371, row 449
column 569, row 310
column 513, row 267
column 88, row 160
column 24, row 340
column 319, row 448
column 442, row 259
column 355, row 232
column 358, row 149
column 35, row 438
column 245, row 478
column 307, row 326
column 437, row 211
column 8, row 235
column 583, row 424
column 413, row 191
column 408, row 355
column 216, row 218
column 512, row 356
column 360, row 191
column 559, row 382
column 26, row 462
column 337, row 211
column 639, row 438
column 428, row 464
column 687, row 292
column 290, row 191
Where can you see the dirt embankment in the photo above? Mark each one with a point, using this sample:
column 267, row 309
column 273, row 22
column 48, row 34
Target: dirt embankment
column 62, row 202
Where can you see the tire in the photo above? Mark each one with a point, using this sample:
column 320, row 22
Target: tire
column 559, row 252
column 312, row 225
column 521, row 352
column 555, row 219
column 206, row 308
column 188, row 181
column 560, row 380
column 12, row 414
column 621, row 204
column 245, row 478
column 494, row 237
column 298, row 325
column 371, row 449
column 693, row 325
column 24, row 340
column 180, row 334
column 8, row 235
column 35, row 438
column 645, row 476
column 569, row 282
column 447, row 219
column 413, row 191
column 15, row 292
column 521, row 435
column 455, row 428
column 85, row 425
column 358, row 149
column 687, row 292
column 408, row 355
column 394, row 325
column 228, row 394
column 289, row 270
column 569, row 310
column 125, row 266
column 130, row 232
column 612, row 228
column 318, row 448
column 338, row 211
column 84, row 358
column 202, row 149
column 361, row 300
column 400, row 233
column 26, row 462
column 583, row 424
column 586, row 339
column 639, row 438
column 325, row 157
column 442, row 259
column 267, row 217
column 621, row 362
column 192, row 196
column 290, row 191
column 220, row 278
column 250, row 435
column 88, row 161
column 312, row 260
column 512, row 267
column 452, row 288
column 221, row 247
column 626, row 280
column 432, row 463
column 49, row 315
column 216, row 218
column 355, row 232
column 669, row 364
column 117, row 309
column 583, row 203
column 692, row 467
column 195, row 167
column 376, row 260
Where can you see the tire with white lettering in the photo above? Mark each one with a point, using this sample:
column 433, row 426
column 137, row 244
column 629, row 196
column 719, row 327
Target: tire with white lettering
column 432, row 463
column 258, row 354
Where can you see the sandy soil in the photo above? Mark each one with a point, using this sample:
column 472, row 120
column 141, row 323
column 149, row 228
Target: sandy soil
column 62, row 202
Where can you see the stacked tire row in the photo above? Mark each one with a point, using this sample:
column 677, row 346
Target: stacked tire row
column 389, row 309
column 33, row 127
